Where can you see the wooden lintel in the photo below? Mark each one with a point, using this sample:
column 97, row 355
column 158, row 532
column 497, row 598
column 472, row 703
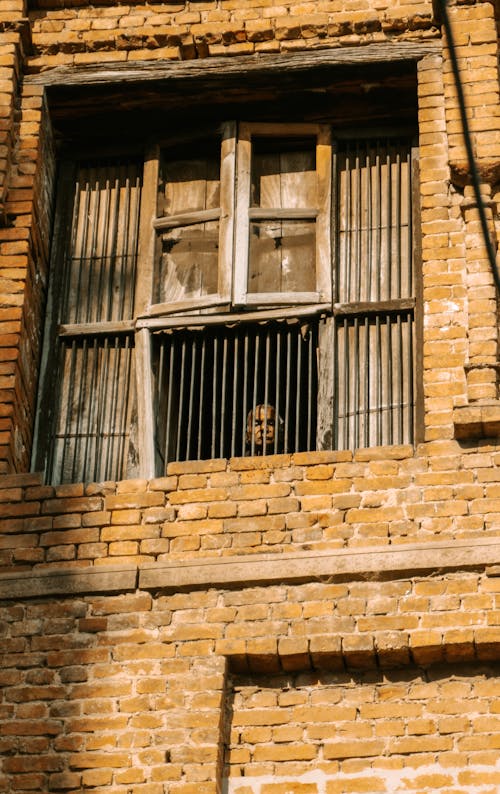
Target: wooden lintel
column 222, row 68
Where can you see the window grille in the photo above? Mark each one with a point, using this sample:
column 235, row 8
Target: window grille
column 209, row 379
column 87, row 407
column 374, row 336
column 99, row 268
column 282, row 278
column 374, row 397
column 93, row 438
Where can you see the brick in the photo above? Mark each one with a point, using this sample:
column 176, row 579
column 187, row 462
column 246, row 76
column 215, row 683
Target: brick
column 131, row 501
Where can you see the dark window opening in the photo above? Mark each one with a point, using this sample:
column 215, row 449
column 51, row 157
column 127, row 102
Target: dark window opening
column 209, row 380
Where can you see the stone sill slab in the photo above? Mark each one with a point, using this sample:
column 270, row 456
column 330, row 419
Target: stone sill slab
column 477, row 421
column 259, row 570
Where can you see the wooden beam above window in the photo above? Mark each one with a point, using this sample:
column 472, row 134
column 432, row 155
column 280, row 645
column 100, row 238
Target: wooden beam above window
column 219, row 69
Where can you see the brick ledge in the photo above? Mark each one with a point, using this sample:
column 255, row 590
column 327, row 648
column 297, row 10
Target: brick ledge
column 477, row 421
column 259, row 570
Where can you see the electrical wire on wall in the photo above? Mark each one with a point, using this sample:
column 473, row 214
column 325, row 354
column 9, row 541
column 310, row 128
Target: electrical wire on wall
column 443, row 6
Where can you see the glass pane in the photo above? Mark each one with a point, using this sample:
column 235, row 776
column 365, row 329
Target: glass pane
column 284, row 173
column 282, row 256
column 188, row 263
column 99, row 275
column 190, row 184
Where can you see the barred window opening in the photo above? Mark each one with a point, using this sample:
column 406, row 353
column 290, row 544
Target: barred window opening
column 251, row 295
column 209, row 380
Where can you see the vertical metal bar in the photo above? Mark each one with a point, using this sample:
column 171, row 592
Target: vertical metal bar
column 410, row 210
column 108, row 314
column 83, row 399
column 70, row 254
column 245, row 390
column 103, row 366
column 357, row 377
column 400, row 382
column 309, row 396
column 170, row 343
column 347, row 289
column 77, row 317
column 298, row 391
column 347, row 387
column 378, row 222
column 124, row 398
column 277, row 387
column 380, row 375
column 180, row 408
column 55, row 426
column 159, row 402
column 69, row 408
column 287, row 390
column 224, row 398
column 191, row 398
column 389, row 222
column 104, row 250
column 357, row 222
column 255, row 377
column 110, row 453
column 266, row 389
column 367, row 384
column 215, row 383
column 410, row 358
column 335, row 416
column 201, row 429
column 93, row 221
column 135, row 242
column 125, row 243
column 369, row 225
column 390, row 394
column 88, row 455
column 234, row 410
column 398, row 200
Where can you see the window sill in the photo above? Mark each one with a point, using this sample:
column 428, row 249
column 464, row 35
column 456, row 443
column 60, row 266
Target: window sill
column 477, row 421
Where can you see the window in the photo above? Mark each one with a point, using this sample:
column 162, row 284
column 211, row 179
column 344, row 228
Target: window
column 248, row 279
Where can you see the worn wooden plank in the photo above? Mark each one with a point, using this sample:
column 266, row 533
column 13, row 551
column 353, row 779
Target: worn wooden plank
column 49, row 361
column 324, row 222
column 146, row 425
column 227, row 209
column 208, row 69
column 283, row 177
column 158, row 323
column 95, row 329
column 243, row 177
column 372, row 307
column 186, row 218
column 416, row 243
column 147, row 237
column 182, row 306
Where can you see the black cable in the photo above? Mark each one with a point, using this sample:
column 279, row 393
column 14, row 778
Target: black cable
column 443, row 4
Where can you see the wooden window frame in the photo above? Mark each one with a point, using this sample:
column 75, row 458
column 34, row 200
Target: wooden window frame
column 232, row 300
column 320, row 213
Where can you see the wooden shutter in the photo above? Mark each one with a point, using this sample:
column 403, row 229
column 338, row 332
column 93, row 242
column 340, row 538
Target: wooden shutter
column 87, row 418
column 374, row 335
column 194, row 223
column 282, row 218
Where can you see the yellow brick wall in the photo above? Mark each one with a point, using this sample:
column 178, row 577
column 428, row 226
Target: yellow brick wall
column 306, row 502
column 176, row 692
column 204, row 29
column 349, row 639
